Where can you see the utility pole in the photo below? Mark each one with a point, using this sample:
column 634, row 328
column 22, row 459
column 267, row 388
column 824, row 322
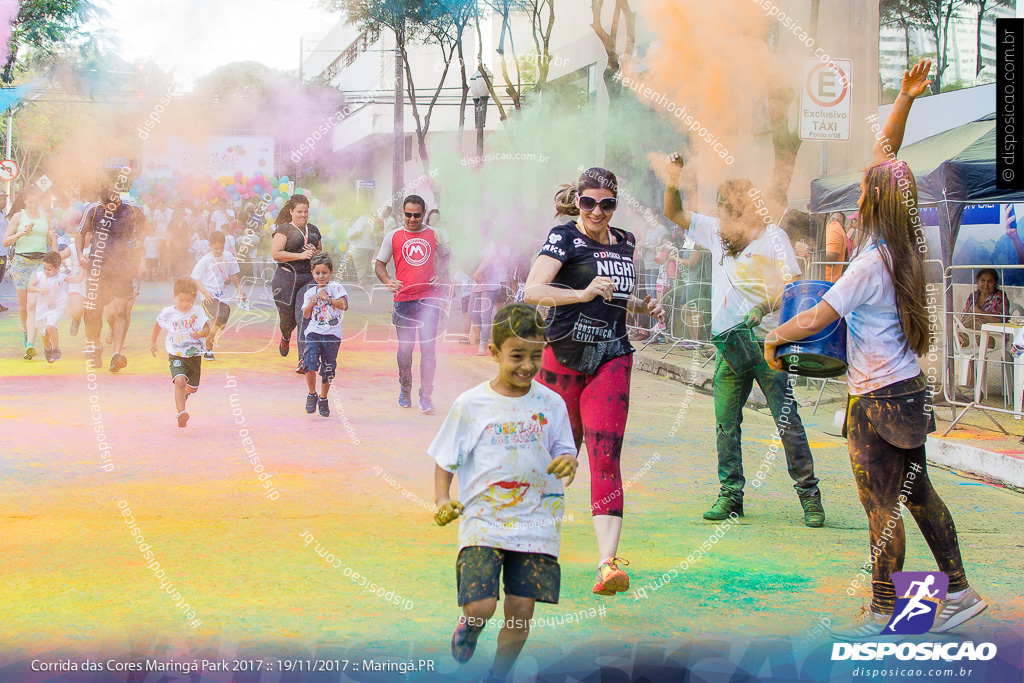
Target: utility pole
column 398, row 160
column 298, row 165
column 10, row 126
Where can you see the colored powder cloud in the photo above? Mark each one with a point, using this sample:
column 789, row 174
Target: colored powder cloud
column 8, row 14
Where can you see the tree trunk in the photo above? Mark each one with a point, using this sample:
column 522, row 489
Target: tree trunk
column 906, row 40
column 423, row 126
column 609, row 38
column 542, row 40
column 978, row 64
column 465, row 95
column 480, row 65
column 785, row 143
column 937, row 75
column 815, row 11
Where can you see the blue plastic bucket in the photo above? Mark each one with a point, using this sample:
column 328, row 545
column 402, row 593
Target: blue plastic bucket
column 820, row 355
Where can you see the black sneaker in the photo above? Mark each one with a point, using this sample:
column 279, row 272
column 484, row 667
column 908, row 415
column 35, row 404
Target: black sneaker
column 311, row 403
column 283, row 347
column 325, row 410
column 723, row 508
column 49, row 355
column 56, row 355
column 814, row 514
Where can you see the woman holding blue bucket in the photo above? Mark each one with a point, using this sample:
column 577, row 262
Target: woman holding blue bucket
column 888, row 416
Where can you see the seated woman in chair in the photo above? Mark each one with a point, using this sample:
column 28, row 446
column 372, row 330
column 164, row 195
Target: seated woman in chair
column 987, row 304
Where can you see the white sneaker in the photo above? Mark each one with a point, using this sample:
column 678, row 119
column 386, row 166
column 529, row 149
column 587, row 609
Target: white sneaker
column 865, row 624
column 954, row 611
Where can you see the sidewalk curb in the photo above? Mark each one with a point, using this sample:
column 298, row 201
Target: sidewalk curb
column 998, row 468
column 701, row 379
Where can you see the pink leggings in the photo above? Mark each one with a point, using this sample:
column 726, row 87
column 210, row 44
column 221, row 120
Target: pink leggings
column 598, row 406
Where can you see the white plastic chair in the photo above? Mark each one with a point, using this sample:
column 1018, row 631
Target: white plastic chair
column 966, row 355
column 964, row 359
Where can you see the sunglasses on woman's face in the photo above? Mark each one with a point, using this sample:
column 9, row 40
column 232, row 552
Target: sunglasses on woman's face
column 607, row 204
column 409, row 214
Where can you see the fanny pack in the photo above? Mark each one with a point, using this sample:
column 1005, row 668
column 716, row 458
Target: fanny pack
column 739, row 348
column 34, row 255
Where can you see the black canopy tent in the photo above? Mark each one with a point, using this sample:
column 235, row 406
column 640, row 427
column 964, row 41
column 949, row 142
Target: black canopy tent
column 953, row 169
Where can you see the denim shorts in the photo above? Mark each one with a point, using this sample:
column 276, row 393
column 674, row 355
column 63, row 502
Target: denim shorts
column 321, row 354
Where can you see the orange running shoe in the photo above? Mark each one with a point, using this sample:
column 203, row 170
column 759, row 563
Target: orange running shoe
column 611, row 579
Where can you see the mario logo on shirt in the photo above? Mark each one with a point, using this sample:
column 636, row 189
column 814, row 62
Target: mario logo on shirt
column 416, row 251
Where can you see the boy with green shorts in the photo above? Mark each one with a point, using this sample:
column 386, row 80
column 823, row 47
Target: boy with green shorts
column 511, row 443
column 187, row 328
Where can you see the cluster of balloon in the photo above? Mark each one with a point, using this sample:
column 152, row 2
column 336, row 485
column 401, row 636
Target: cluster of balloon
column 229, row 191
column 69, row 218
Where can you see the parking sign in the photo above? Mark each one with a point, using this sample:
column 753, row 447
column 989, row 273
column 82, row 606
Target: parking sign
column 825, row 100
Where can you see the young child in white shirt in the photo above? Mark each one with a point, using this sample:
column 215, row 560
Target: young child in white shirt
column 322, row 305
column 198, row 246
column 187, row 327
column 214, row 272
column 152, row 247
column 50, row 287
column 510, row 441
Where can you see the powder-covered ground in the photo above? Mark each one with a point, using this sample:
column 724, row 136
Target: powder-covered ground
column 74, row 582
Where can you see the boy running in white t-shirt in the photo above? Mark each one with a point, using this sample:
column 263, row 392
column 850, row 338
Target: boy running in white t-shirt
column 187, row 326
column 322, row 305
column 214, row 272
column 511, row 443
column 50, row 287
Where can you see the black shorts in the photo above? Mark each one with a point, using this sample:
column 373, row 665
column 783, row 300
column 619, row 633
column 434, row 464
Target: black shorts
column 106, row 288
column 189, row 368
column 218, row 311
column 526, row 575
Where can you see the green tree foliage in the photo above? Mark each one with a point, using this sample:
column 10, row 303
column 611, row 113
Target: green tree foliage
column 45, row 26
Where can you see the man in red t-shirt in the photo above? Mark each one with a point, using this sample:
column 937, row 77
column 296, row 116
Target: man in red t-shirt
column 416, row 252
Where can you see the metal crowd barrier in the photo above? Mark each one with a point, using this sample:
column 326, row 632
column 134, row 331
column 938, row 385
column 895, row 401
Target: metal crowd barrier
column 1003, row 333
column 686, row 295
